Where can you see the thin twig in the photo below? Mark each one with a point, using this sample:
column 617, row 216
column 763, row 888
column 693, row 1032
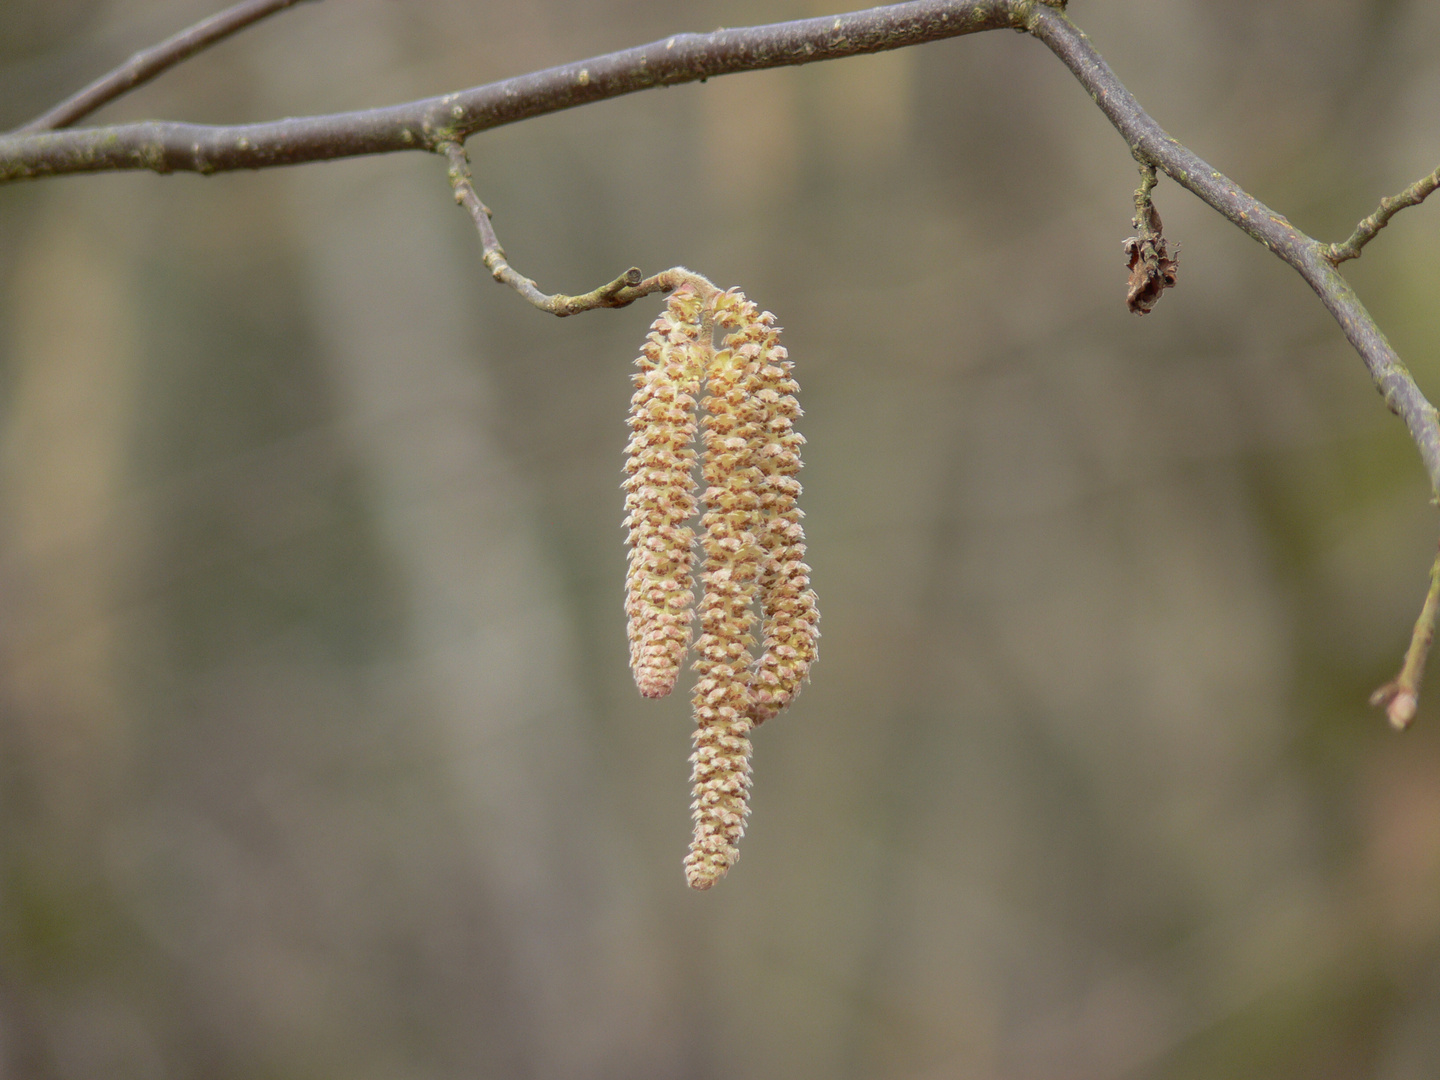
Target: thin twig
column 1401, row 695
column 1144, row 203
column 1413, row 195
column 623, row 291
column 146, row 64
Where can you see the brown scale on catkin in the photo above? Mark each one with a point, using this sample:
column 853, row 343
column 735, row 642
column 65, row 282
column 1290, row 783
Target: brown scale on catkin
column 660, row 491
column 787, row 601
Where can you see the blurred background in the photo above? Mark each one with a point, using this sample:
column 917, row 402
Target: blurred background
column 319, row 756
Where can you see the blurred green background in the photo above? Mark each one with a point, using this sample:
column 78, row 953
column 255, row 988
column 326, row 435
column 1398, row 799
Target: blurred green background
column 319, row 756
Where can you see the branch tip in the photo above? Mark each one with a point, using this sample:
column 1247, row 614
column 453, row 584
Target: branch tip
column 1399, row 704
column 1401, row 696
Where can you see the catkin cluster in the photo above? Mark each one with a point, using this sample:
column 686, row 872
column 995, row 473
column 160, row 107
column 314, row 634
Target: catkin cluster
column 753, row 543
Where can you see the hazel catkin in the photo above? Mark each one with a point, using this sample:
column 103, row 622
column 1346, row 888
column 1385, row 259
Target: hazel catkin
column 722, row 699
column 753, row 543
column 788, row 603
column 660, row 492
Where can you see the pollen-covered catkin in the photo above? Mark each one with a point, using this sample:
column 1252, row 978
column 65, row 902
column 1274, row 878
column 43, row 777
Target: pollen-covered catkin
column 660, row 491
column 787, row 601
column 753, row 544
column 722, row 701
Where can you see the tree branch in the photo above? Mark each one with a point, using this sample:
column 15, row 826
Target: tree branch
column 441, row 124
column 1389, row 207
column 426, row 124
column 622, row 292
column 1149, row 142
column 430, row 123
column 146, row 64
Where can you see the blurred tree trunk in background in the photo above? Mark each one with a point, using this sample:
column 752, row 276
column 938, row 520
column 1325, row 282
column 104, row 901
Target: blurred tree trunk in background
column 318, row 752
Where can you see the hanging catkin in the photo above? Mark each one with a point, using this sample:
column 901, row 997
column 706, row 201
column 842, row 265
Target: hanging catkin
column 732, row 524
column 753, row 544
column 660, row 492
column 787, row 601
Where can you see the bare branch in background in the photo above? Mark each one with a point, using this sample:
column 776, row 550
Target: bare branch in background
column 146, row 64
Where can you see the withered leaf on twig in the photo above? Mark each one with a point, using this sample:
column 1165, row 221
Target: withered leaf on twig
column 1152, row 270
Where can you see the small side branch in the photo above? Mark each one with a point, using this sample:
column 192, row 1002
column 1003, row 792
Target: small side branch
column 622, row 292
column 1413, row 195
column 1401, row 695
column 146, row 64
